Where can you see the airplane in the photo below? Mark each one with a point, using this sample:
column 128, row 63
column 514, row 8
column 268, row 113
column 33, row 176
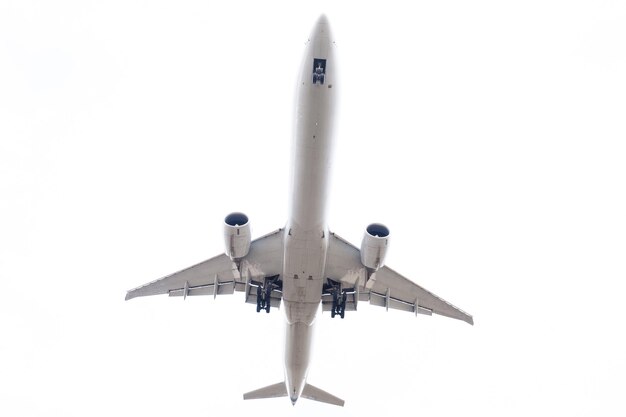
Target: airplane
column 304, row 264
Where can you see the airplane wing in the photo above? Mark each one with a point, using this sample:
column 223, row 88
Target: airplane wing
column 220, row 275
column 385, row 287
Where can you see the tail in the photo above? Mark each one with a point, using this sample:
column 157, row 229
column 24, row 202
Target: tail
column 271, row 391
column 309, row 392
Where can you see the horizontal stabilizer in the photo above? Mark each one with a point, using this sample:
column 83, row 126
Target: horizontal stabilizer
column 271, row 391
column 311, row 392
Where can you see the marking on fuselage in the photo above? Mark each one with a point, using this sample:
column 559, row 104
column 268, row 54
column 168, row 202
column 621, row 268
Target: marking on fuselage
column 319, row 70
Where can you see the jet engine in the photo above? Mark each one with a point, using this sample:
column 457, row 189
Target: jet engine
column 236, row 235
column 374, row 246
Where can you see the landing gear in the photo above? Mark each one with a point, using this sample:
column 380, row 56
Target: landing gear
column 340, row 297
column 264, row 293
column 263, row 299
column 339, row 304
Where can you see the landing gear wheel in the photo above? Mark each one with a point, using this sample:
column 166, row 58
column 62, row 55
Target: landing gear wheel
column 260, row 299
column 339, row 303
column 264, row 292
column 268, row 298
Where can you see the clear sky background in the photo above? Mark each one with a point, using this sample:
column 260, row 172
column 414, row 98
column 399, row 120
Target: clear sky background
column 489, row 136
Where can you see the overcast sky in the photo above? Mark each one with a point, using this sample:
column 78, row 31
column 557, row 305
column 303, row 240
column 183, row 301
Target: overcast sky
column 489, row 136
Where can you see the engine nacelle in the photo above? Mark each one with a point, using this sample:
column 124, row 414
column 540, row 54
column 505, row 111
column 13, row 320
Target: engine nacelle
column 374, row 246
column 237, row 235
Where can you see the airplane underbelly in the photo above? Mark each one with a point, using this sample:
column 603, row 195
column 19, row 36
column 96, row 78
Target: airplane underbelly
column 304, row 262
column 306, row 240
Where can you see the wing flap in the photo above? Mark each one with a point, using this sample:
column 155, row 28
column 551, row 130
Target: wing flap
column 383, row 300
column 224, row 287
column 387, row 280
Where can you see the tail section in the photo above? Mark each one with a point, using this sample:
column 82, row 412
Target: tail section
column 311, row 392
column 271, row 391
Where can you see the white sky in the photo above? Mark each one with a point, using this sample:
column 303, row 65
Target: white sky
column 489, row 136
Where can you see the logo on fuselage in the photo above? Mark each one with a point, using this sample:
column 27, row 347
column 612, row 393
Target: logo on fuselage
column 319, row 70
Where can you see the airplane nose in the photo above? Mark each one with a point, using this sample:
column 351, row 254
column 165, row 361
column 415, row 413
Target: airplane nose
column 320, row 40
column 322, row 27
column 322, row 20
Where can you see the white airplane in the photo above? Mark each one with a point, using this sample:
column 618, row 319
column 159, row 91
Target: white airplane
column 304, row 264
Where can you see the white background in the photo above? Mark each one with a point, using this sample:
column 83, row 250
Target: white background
column 489, row 136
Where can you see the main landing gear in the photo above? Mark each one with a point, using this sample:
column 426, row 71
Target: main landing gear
column 340, row 297
column 339, row 304
column 264, row 293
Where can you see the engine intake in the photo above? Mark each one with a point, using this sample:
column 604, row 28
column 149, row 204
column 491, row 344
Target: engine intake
column 374, row 246
column 237, row 235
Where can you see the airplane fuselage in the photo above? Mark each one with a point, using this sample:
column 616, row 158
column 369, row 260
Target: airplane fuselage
column 306, row 240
